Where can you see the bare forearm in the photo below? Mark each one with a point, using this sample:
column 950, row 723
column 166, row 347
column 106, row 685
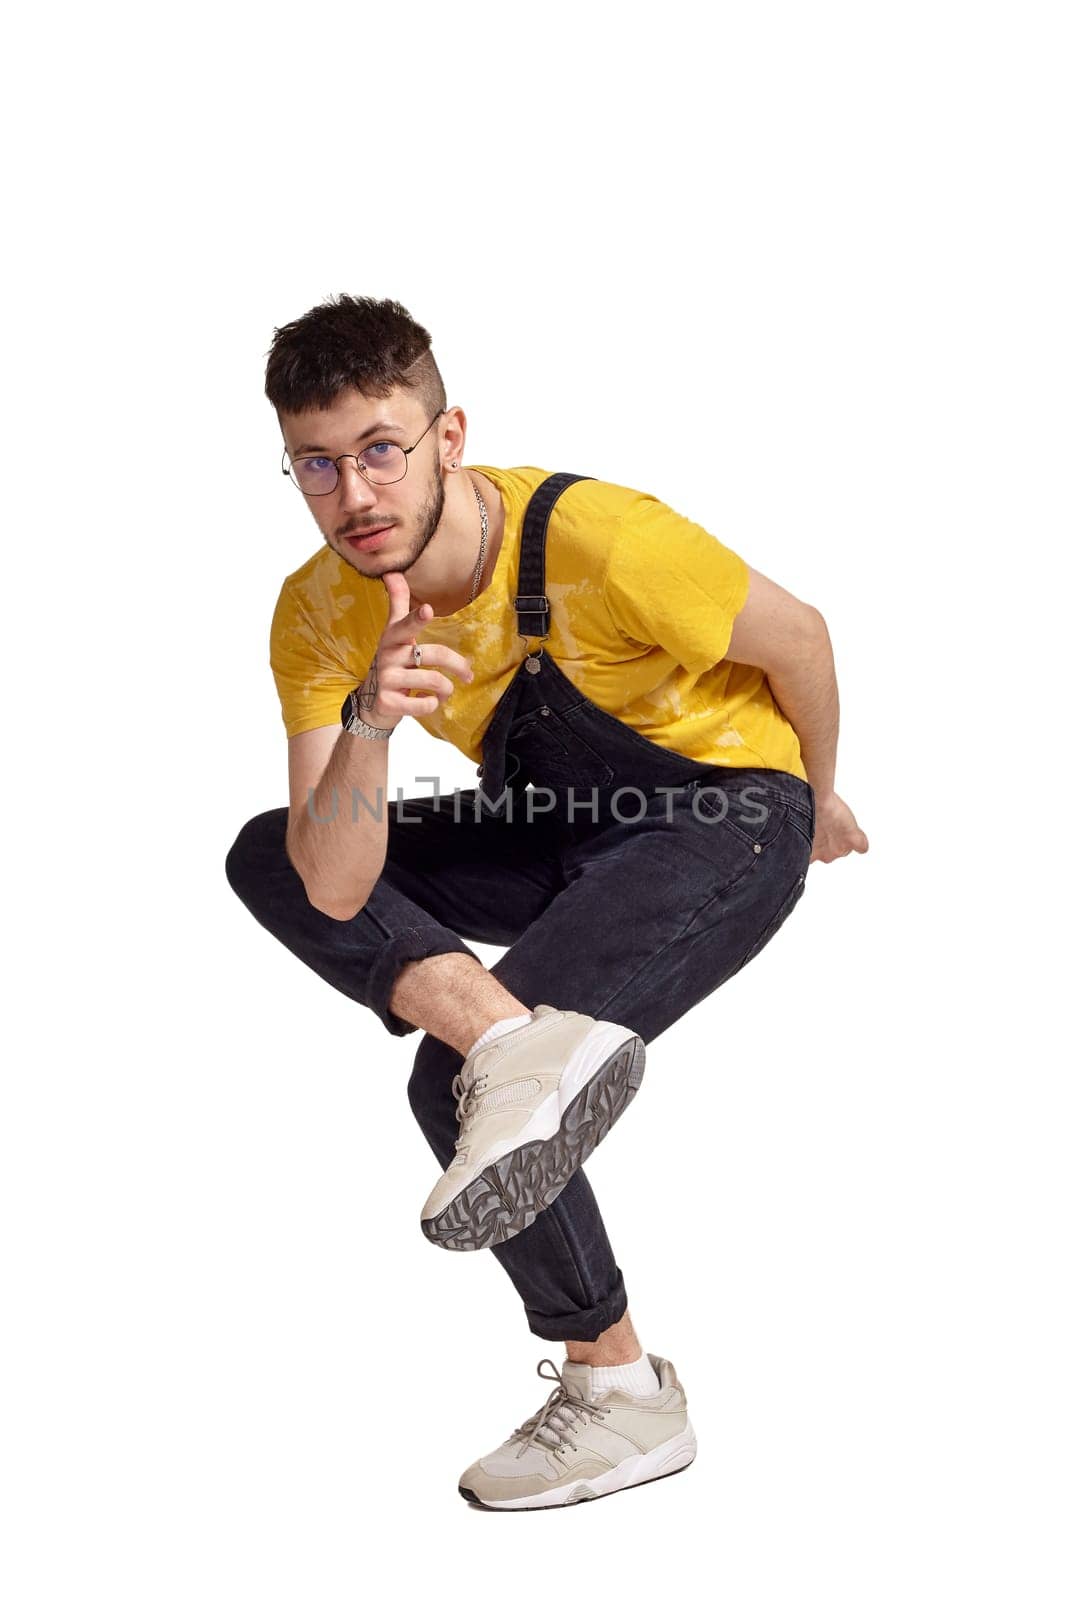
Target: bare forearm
column 337, row 840
column 807, row 694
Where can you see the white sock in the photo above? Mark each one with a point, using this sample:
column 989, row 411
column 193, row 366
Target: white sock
column 638, row 1377
column 496, row 1029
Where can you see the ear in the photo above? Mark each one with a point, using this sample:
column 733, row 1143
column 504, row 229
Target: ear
column 452, row 437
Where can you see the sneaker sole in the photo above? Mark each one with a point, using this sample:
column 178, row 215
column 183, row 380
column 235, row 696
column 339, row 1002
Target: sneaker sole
column 666, row 1462
column 506, row 1197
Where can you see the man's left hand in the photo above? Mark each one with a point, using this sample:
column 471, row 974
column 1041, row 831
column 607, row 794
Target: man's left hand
column 837, row 832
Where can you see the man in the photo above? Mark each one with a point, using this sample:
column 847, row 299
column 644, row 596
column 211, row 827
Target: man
column 668, row 673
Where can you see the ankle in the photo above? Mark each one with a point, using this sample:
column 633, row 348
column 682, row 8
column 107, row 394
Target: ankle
column 451, row 996
column 629, row 1377
column 617, row 1346
column 497, row 1030
column 593, row 1355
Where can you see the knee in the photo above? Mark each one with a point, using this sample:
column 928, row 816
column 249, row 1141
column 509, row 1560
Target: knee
column 255, row 848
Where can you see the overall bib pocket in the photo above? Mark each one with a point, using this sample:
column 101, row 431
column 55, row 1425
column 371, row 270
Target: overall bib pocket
column 548, row 743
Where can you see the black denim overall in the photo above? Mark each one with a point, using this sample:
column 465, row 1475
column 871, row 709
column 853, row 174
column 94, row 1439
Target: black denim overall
column 632, row 912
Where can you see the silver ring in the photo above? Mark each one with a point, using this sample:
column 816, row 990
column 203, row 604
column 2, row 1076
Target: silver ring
column 418, row 654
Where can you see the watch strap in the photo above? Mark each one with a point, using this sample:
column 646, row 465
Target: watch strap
column 354, row 723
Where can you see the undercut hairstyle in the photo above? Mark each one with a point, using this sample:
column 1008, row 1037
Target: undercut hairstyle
column 374, row 346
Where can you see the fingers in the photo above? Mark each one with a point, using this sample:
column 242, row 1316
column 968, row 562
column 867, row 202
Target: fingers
column 401, row 677
column 396, row 587
column 408, row 619
column 421, row 705
column 400, row 607
column 828, row 852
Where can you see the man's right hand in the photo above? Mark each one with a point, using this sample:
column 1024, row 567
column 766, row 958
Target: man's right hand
column 383, row 696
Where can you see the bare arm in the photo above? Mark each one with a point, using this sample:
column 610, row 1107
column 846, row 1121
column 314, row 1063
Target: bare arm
column 338, row 817
column 338, row 831
column 807, row 693
column 790, row 641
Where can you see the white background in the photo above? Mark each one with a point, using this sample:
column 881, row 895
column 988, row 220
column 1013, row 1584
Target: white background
column 796, row 270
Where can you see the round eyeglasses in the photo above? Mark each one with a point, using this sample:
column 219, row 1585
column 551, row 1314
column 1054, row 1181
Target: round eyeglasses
column 383, row 461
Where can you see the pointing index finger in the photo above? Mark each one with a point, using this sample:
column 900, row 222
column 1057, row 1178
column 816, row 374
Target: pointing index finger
column 400, row 607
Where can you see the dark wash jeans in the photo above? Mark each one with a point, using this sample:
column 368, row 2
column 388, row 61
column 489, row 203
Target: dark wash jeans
column 629, row 921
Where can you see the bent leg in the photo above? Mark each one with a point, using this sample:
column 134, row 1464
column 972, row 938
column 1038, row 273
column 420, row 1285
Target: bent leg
column 361, row 957
column 442, row 880
column 562, row 1264
column 654, row 916
column 491, row 879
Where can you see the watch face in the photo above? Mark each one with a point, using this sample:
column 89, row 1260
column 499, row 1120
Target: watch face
column 348, row 707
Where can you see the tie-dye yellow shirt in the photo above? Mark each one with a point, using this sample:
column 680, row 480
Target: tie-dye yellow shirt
column 643, row 604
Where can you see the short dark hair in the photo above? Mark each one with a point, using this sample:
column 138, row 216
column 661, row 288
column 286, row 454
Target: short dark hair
column 374, row 346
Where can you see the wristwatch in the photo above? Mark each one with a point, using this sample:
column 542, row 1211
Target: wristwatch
column 354, row 723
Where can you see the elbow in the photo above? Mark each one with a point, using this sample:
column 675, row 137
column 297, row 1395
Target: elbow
column 810, row 641
column 799, row 651
column 331, row 905
column 328, row 904
column 815, row 624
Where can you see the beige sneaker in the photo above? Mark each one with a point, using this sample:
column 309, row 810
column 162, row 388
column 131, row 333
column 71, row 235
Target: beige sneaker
column 581, row 1447
column 533, row 1105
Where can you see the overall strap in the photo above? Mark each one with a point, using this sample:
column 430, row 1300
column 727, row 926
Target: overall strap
column 531, row 602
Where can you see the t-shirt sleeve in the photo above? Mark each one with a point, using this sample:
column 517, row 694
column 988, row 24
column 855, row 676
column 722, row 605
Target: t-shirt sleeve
column 669, row 582
column 311, row 679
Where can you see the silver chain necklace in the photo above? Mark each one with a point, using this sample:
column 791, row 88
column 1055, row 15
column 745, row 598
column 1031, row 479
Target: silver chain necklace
column 485, row 536
column 417, row 648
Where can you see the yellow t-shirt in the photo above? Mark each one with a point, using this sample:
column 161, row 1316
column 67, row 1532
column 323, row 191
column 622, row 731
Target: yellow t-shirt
column 643, row 604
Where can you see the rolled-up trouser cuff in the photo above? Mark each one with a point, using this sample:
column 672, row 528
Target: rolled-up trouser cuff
column 584, row 1326
column 413, row 944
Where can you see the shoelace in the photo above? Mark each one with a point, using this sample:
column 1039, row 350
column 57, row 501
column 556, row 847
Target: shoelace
column 559, row 1415
column 466, row 1095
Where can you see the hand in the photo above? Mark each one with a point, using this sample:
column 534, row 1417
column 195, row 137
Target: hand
column 383, row 695
column 836, row 831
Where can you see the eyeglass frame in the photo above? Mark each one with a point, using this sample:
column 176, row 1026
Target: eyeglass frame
column 351, row 455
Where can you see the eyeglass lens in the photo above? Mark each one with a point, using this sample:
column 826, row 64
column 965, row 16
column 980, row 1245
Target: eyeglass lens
column 382, row 463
